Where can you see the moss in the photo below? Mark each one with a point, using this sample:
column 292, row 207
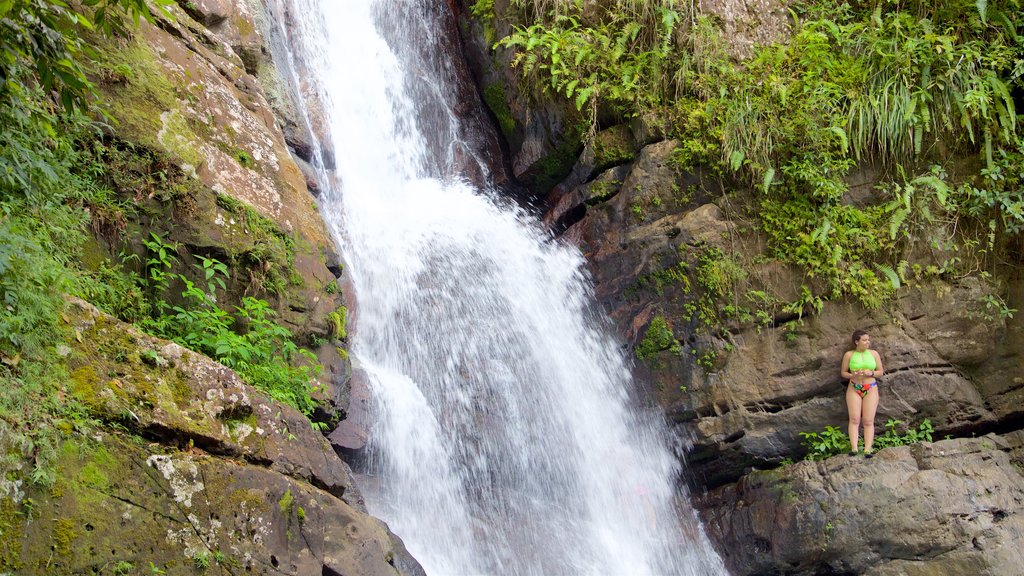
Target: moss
column 93, row 477
column 286, row 502
column 612, row 147
column 657, row 338
column 63, row 535
column 177, row 138
column 244, row 26
column 338, row 321
column 145, row 92
column 261, row 246
column 244, row 159
column 85, row 509
column 11, row 527
column 494, row 97
column 245, row 498
column 85, row 384
column 93, row 473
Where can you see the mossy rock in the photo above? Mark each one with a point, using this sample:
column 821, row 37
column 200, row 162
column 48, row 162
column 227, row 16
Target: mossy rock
column 612, row 147
column 161, row 390
column 120, row 504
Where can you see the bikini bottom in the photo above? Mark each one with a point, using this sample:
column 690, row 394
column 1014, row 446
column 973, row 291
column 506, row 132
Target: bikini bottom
column 863, row 389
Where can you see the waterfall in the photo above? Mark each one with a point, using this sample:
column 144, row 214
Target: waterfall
column 505, row 439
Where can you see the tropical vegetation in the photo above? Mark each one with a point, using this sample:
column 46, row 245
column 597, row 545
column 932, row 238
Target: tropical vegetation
column 908, row 89
column 68, row 186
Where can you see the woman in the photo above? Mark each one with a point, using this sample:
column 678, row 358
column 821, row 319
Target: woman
column 861, row 367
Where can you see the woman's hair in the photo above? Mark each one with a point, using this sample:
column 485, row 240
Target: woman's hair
column 857, row 334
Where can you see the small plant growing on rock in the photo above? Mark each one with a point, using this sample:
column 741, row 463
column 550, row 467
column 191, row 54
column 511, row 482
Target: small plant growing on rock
column 244, row 159
column 337, row 321
column 658, row 338
column 833, row 441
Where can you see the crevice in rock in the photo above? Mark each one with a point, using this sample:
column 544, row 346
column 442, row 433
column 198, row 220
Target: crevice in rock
column 798, row 370
column 934, row 368
column 180, row 439
column 571, row 216
column 130, row 502
column 735, row 436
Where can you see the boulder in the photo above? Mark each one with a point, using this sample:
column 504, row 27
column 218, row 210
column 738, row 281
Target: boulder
column 162, row 390
column 186, row 469
column 949, row 507
column 134, row 507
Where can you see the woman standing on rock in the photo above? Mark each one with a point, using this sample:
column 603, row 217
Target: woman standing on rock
column 861, row 367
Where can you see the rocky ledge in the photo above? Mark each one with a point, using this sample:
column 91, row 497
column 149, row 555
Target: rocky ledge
column 949, row 507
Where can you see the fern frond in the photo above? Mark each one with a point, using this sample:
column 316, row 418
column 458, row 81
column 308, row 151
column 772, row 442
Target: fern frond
column 890, row 274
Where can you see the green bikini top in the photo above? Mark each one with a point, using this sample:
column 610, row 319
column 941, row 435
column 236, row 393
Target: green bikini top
column 862, row 361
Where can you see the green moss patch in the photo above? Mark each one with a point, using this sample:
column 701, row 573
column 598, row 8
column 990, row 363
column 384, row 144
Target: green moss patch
column 494, row 97
column 657, row 338
column 11, row 527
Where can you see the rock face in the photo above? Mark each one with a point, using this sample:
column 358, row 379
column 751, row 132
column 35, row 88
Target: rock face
column 952, row 507
column 774, row 385
column 749, row 23
column 183, row 468
column 740, row 390
column 186, row 91
column 193, row 470
column 650, row 232
column 539, row 136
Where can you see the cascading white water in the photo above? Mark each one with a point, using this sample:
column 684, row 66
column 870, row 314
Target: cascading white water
column 505, row 440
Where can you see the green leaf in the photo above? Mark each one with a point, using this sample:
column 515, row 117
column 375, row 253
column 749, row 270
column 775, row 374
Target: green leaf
column 888, row 272
column 844, row 142
column 736, row 159
column 769, row 175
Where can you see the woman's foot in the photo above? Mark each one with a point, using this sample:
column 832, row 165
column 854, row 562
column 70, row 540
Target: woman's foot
column 869, row 454
column 851, row 453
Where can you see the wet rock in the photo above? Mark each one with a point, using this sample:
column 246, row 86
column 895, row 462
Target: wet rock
column 352, row 433
column 189, row 96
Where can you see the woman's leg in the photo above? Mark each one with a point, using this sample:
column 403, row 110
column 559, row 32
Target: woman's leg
column 853, row 406
column 868, row 417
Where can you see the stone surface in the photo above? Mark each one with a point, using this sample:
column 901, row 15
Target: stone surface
column 949, row 507
column 187, row 469
column 742, row 399
column 776, row 384
column 163, row 390
column 201, row 107
column 749, row 23
column 183, row 90
column 122, row 505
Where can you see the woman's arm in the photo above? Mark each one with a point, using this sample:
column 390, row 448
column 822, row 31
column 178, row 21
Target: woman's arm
column 878, row 365
column 844, row 368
